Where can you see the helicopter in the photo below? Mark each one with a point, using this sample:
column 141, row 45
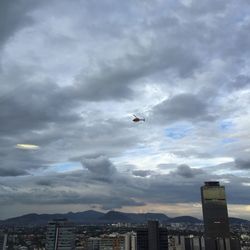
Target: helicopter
column 137, row 119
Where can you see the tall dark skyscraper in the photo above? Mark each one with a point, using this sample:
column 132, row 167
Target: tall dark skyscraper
column 152, row 238
column 214, row 208
column 153, row 235
column 215, row 216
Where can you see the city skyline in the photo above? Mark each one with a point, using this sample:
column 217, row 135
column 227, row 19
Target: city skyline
column 73, row 74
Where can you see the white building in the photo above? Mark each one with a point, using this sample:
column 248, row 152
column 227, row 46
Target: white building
column 181, row 242
column 93, row 243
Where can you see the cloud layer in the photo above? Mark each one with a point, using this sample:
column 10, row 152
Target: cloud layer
column 72, row 74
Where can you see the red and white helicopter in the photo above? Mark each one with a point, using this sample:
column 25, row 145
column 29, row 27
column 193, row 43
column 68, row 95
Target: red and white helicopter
column 137, row 119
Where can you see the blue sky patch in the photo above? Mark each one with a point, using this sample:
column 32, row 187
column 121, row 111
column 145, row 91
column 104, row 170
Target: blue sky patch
column 226, row 125
column 67, row 166
column 178, row 132
column 229, row 140
column 60, row 167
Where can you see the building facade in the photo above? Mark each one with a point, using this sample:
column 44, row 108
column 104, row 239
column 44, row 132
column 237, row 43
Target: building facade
column 93, row 243
column 214, row 206
column 215, row 216
column 181, row 242
column 60, row 235
column 152, row 238
column 3, row 241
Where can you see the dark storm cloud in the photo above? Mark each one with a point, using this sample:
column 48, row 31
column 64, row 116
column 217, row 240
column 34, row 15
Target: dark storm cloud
column 18, row 166
column 50, row 190
column 33, row 106
column 243, row 164
column 111, row 82
column 119, row 202
column 15, row 162
column 192, row 153
column 207, row 7
column 239, row 82
column 142, row 173
column 114, row 80
column 182, row 107
column 67, row 197
column 179, row 186
column 166, row 189
column 44, row 182
column 43, row 113
column 102, row 137
column 100, row 166
column 64, row 134
column 14, row 16
column 12, row 172
column 166, row 166
column 187, row 172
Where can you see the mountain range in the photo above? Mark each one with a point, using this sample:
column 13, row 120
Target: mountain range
column 94, row 217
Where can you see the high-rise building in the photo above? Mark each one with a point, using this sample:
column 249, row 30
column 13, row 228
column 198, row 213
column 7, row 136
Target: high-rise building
column 112, row 242
column 153, row 235
column 60, row 235
column 181, row 242
column 93, row 243
column 130, row 241
column 214, row 208
column 127, row 241
column 194, row 243
column 3, row 241
column 133, row 241
column 152, row 238
column 215, row 216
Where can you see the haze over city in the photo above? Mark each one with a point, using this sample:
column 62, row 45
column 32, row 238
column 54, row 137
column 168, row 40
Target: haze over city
column 73, row 74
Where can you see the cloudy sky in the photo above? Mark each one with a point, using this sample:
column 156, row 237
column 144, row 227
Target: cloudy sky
column 72, row 75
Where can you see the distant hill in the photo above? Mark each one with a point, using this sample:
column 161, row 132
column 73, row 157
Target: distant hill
column 83, row 217
column 94, row 217
column 87, row 217
column 233, row 220
column 184, row 219
column 114, row 216
column 141, row 218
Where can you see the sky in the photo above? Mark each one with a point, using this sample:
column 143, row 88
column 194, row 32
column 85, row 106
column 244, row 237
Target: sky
column 72, row 75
